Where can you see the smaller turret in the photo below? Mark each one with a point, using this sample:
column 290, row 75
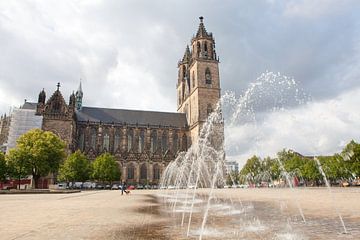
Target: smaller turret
column 42, row 97
column 72, row 100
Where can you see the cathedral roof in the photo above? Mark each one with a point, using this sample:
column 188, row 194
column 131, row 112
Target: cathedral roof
column 29, row 105
column 108, row 115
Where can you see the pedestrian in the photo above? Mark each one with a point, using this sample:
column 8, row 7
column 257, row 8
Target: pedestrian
column 123, row 188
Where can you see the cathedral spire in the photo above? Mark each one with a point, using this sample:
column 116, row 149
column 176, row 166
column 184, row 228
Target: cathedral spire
column 79, row 95
column 187, row 55
column 202, row 30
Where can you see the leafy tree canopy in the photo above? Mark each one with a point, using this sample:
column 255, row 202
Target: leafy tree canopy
column 75, row 168
column 38, row 153
column 105, row 168
column 3, row 167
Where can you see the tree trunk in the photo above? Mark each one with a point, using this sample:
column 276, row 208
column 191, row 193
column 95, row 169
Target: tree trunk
column 36, row 180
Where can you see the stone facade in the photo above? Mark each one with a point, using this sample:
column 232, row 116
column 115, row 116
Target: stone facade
column 143, row 142
column 198, row 85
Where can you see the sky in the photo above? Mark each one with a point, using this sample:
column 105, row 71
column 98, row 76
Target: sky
column 126, row 54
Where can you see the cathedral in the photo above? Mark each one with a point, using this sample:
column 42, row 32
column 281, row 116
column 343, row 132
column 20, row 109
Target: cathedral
column 143, row 142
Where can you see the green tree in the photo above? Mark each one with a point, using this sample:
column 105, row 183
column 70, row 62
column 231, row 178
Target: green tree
column 251, row 169
column 105, row 168
column 272, row 167
column 37, row 153
column 17, row 166
column 310, row 171
column 232, row 178
column 334, row 167
column 351, row 156
column 75, row 168
column 3, row 168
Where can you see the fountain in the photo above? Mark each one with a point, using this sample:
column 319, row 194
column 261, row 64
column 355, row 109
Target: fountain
column 191, row 181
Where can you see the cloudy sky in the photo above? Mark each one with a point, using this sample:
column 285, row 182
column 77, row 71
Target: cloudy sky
column 126, row 54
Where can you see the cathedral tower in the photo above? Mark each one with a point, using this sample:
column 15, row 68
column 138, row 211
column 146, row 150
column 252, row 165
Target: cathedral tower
column 198, row 87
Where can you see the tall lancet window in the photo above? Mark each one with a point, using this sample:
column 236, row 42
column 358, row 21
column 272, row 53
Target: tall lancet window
column 205, row 49
column 81, row 141
column 184, row 142
column 207, row 76
column 164, row 142
column 106, row 141
column 117, row 139
column 198, row 49
column 93, row 139
column 175, row 142
column 130, row 139
column 141, row 140
column 153, row 141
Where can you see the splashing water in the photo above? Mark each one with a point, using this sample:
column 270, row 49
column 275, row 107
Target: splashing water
column 330, row 193
column 203, row 165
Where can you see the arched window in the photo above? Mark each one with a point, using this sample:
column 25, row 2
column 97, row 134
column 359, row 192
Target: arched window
column 183, row 72
column 130, row 139
column 81, row 141
column 143, row 171
column 141, row 140
column 164, row 142
column 209, row 109
column 205, row 49
column 184, row 142
column 156, row 171
column 175, row 142
column 93, row 139
column 106, row 141
column 117, row 139
column 153, row 141
column 198, row 49
column 207, row 76
column 193, row 79
column 130, row 171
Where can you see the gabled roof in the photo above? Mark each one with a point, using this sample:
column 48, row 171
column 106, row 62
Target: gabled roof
column 29, row 105
column 109, row 115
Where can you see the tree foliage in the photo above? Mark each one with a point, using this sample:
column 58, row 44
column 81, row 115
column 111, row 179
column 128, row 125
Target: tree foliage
column 105, row 168
column 3, row 168
column 37, row 153
column 75, row 168
column 341, row 166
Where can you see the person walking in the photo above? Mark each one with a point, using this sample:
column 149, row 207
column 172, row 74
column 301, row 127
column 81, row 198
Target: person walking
column 123, row 188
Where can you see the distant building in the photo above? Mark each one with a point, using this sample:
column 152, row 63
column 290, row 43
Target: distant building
column 143, row 142
column 231, row 166
column 22, row 120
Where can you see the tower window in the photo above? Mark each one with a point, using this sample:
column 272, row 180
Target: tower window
column 209, row 109
column 198, row 49
column 205, row 49
column 207, row 76
column 193, row 79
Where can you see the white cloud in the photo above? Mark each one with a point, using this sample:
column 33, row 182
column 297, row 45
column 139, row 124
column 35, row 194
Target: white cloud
column 316, row 128
column 315, row 9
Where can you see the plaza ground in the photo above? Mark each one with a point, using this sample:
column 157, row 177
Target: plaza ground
column 109, row 215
